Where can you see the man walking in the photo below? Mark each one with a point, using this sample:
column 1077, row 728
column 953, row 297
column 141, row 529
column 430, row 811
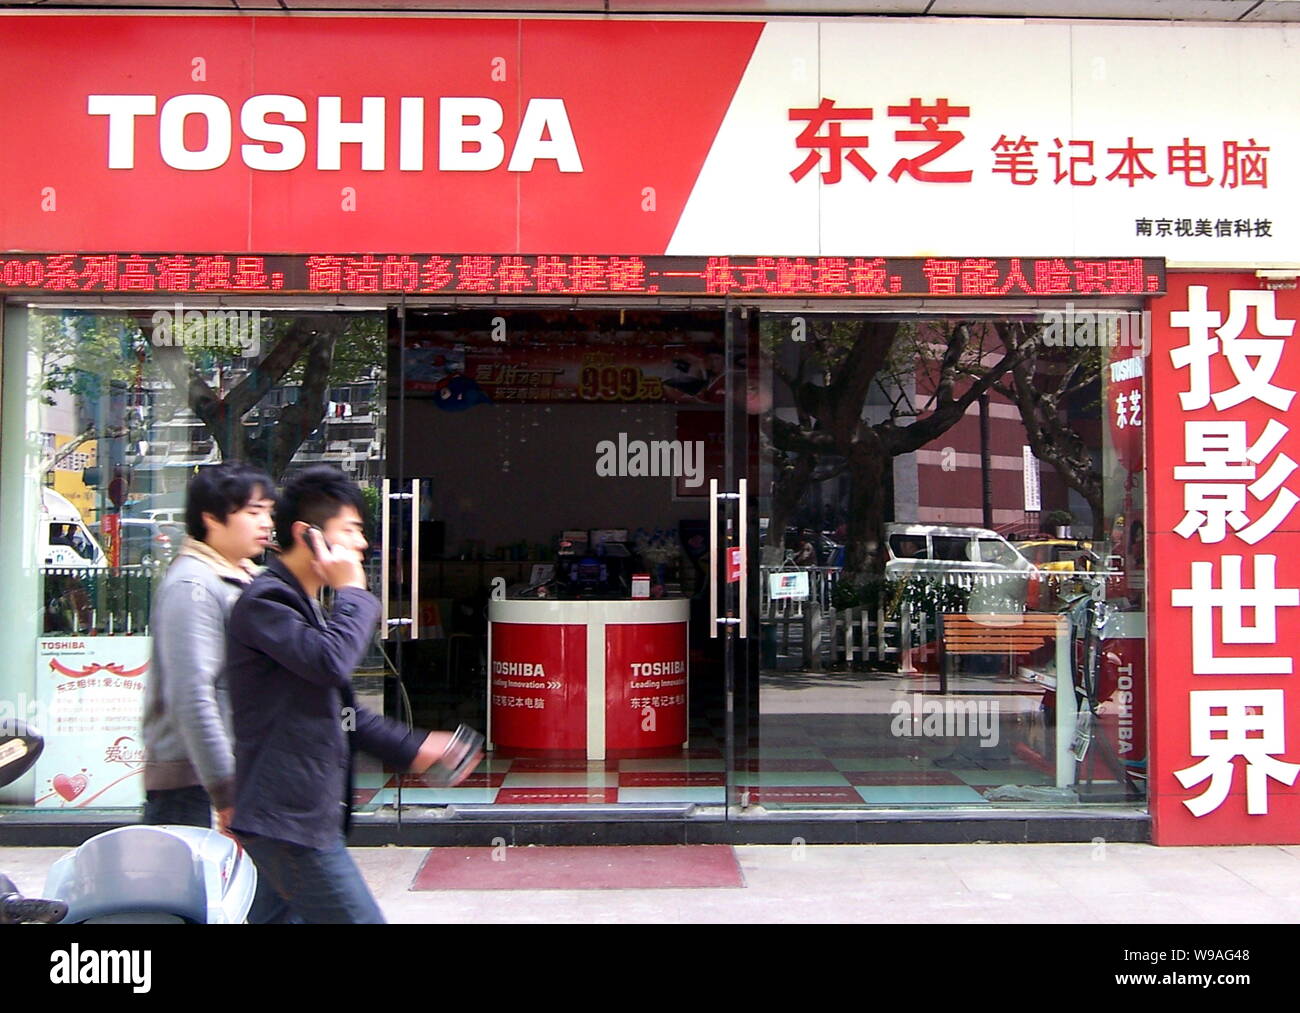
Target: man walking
column 189, row 762
column 296, row 722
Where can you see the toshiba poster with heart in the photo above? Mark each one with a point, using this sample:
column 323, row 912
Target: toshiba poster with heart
column 90, row 693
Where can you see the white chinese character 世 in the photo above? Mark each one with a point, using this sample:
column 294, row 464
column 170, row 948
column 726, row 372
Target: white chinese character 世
column 1250, row 723
column 1265, row 598
column 1219, row 463
column 1254, row 380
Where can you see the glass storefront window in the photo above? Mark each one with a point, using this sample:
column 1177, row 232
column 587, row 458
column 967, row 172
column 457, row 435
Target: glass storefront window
column 952, row 587
column 118, row 408
column 946, row 534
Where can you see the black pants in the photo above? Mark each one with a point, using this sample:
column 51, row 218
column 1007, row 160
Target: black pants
column 186, row 807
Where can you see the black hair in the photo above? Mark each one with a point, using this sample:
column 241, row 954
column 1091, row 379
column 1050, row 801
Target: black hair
column 221, row 490
column 315, row 495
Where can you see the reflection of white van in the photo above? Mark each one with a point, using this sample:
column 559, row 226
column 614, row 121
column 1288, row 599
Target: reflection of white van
column 63, row 538
column 941, row 550
column 166, row 515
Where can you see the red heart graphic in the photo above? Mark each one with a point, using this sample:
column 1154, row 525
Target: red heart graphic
column 69, row 787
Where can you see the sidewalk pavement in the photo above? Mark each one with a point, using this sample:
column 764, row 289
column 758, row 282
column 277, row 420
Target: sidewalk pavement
column 939, row 883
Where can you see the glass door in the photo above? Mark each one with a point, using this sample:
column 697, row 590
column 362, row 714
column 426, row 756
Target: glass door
column 557, row 463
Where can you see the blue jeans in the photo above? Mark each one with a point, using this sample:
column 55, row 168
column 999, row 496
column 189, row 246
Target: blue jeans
column 192, row 807
column 319, row 886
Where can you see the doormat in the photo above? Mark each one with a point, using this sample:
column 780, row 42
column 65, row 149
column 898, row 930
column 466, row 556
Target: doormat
column 636, row 867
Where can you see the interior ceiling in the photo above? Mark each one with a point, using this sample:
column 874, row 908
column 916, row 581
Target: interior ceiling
column 1146, row 10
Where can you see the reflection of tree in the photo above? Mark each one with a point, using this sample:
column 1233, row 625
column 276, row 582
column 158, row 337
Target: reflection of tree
column 1047, row 399
column 80, row 353
column 829, row 386
column 85, row 356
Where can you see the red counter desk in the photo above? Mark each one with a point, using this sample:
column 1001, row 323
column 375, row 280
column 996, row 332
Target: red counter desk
column 587, row 677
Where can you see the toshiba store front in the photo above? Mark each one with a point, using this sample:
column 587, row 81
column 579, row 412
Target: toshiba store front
column 761, row 449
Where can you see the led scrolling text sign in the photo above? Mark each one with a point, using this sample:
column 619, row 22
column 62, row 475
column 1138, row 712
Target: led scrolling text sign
column 481, row 274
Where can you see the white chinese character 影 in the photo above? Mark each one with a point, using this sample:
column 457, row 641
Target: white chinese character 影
column 1219, row 465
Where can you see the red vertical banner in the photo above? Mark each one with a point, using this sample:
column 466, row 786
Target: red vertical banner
column 111, row 529
column 1225, row 562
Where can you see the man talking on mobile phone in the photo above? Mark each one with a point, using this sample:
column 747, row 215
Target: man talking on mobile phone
column 296, row 722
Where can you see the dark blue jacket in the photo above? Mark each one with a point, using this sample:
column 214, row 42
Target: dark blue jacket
column 296, row 723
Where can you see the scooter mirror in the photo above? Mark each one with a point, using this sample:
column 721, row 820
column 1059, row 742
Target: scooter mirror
column 20, row 745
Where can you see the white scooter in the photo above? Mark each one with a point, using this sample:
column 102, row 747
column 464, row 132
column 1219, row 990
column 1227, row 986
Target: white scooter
column 131, row 874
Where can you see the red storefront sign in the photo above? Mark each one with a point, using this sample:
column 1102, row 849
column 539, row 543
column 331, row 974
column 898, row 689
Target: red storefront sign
column 645, row 685
column 1125, row 409
column 1225, row 595
column 271, row 134
column 539, row 686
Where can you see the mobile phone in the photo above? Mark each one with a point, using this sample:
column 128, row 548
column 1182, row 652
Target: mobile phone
column 315, row 539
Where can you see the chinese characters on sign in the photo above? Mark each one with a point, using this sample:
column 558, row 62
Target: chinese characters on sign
column 91, row 690
column 1204, row 228
column 1074, row 162
column 489, row 275
column 1238, row 487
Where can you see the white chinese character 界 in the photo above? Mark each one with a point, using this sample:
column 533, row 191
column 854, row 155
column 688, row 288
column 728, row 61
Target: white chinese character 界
column 1249, row 723
column 1254, row 379
column 1219, row 463
column 1265, row 598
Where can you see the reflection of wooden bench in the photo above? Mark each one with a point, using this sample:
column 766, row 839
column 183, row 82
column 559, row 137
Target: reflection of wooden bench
column 1011, row 634
column 1008, row 634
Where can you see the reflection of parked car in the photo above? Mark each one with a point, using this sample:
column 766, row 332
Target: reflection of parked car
column 935, row 550
column 166, row 515
column 148, row 542
column 1060, row 554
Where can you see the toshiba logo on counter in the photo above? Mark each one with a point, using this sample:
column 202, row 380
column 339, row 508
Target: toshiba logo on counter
column 469, row 132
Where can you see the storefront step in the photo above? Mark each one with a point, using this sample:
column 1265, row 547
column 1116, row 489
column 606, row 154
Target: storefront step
column 555, row 829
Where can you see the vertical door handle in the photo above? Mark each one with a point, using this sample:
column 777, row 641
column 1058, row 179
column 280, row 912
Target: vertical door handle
column 415, row 559
column 713, row 558
column 384, row 546
column 742, row 541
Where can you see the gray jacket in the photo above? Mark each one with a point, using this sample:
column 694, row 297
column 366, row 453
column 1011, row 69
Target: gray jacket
column 187, row 736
